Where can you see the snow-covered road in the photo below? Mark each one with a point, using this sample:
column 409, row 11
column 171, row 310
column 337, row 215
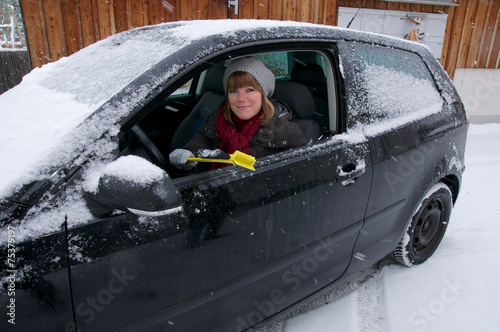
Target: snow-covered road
column 455, row 290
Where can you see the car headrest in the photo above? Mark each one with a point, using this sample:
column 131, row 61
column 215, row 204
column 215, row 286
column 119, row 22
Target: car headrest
column 297, row 97
column 214, row 78
column 309, row 74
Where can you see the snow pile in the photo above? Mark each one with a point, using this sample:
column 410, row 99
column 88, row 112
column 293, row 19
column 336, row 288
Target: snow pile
column 129, row 168
column 134, row 169
column 52, row 219
column 32, row 123
column 194, row 30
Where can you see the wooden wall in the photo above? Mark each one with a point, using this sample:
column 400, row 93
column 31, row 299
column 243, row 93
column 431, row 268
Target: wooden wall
column 472, row 36
column 57, row 28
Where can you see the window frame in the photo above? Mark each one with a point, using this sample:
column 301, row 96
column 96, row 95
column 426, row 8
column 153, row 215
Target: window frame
column 327, row 51
column 356, row 97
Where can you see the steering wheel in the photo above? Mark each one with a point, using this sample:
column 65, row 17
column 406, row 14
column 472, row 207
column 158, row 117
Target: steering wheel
column 150, row 148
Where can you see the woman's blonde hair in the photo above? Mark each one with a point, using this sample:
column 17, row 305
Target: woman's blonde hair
column 241, row 79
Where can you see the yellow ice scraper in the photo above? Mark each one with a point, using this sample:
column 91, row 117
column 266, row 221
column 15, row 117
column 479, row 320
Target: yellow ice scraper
column 238, row 158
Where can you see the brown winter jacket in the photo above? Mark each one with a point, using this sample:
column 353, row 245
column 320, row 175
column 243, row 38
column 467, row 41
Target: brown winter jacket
column 278, row 135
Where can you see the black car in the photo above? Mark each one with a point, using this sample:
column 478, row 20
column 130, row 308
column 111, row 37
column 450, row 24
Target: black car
column 99, row 232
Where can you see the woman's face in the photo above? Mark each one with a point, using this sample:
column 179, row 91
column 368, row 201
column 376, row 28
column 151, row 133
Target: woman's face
column 245, row 102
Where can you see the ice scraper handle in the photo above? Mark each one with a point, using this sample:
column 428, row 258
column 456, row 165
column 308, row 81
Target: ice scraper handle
column 238, row 158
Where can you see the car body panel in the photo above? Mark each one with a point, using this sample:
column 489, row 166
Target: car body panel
column 37, row 285
column 233, row 226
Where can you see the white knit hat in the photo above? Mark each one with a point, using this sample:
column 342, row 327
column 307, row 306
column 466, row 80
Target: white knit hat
column 255, row 67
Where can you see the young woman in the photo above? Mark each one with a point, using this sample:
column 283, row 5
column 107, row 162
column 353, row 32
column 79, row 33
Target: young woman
column 248, row 122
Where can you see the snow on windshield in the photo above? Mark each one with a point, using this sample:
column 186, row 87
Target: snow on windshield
column 53, row 100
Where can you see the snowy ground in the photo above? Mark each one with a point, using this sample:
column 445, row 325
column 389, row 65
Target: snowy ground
column 455, row 290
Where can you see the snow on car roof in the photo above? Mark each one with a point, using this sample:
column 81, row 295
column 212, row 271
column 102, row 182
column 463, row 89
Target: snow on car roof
column 50, row 102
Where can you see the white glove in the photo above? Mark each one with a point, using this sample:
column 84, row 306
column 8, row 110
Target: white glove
column 179, row 158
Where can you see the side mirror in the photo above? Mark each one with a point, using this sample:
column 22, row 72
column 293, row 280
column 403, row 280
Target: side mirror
column 133, row 183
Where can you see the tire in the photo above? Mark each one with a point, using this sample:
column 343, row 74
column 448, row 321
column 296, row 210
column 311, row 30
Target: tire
column 426, row 228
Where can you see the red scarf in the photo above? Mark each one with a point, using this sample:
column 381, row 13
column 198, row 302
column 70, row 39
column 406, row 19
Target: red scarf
column 235, row 137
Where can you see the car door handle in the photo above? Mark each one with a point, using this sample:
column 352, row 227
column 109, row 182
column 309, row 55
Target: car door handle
column 349, row 173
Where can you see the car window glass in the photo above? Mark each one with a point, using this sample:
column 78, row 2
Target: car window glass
column 394, row 84
column 277, row 62
column 184, row 89
column 397, row 60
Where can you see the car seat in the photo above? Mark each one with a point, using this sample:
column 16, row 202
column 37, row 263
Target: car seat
column 300, row 100
column 313, row 77
column 208, row 103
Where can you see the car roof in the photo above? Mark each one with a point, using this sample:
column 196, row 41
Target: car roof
column 71, row 102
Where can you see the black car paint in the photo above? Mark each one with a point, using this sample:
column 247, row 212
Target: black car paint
column 255, row 219
column 288, row 230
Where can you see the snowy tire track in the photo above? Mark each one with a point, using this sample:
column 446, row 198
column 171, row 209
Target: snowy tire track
column 370, row 310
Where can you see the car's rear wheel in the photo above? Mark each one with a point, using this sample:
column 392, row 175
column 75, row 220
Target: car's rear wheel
column 427, row 227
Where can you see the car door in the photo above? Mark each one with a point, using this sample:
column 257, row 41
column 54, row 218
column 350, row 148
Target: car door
column 35, row 284
column 240, row 245
column 406, row 119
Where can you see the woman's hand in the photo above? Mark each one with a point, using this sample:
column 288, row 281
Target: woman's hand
column 179, row 158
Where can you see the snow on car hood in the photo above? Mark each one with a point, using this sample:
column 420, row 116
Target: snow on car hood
column 53, row 100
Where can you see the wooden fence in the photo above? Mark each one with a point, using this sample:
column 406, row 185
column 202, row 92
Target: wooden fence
column 56, row 28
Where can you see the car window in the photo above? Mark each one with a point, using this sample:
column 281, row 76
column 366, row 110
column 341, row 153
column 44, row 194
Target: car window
column 277, row 62
column 173, row 122
column 184, row 89
column 393, row 84
column 397, row 60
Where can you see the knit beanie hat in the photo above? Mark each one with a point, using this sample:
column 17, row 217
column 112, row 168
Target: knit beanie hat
column 255, row 67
